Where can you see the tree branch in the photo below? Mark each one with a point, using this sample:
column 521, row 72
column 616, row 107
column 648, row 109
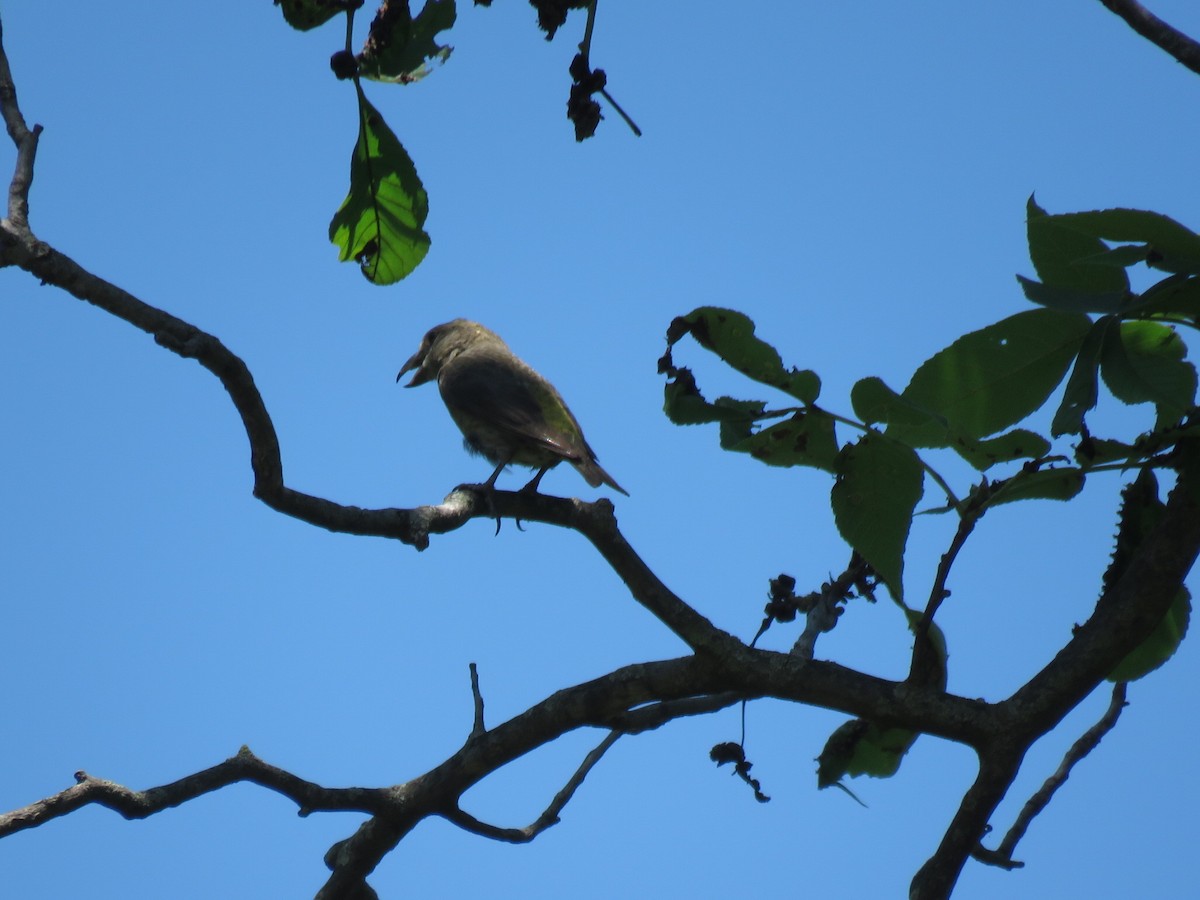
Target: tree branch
column 1152, row 28
column 549, row 817
column 25, row 139
column 1003, row 855
column 245, row 766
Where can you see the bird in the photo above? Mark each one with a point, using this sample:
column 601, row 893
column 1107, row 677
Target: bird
column 507, row 412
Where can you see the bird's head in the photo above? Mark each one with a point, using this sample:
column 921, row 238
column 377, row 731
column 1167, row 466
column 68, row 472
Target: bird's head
column 440, row 345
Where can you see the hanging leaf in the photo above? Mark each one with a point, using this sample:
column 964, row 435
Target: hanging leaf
column 879, row 482
column 380, row 223
column 858, row 748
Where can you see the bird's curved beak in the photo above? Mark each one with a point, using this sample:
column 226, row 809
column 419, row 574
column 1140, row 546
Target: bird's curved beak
column 414, row 362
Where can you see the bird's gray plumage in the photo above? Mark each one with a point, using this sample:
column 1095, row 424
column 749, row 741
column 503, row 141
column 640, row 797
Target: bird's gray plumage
column 506, row 411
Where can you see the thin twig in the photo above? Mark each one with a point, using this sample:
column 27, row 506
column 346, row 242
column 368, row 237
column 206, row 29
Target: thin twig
column 1003, row 855
column 621, row 112
column 549, row 817
column 478, row 727
column 975, row 508
column 1183, row 48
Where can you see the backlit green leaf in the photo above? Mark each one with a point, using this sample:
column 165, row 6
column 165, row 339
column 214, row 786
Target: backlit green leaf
column 380, row 223
column 1143, row 362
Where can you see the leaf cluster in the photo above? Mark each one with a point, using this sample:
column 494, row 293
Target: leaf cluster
column 381, row 223
column 1090, row 329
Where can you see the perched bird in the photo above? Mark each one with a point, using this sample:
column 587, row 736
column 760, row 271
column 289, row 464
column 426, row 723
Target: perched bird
column 507, row 412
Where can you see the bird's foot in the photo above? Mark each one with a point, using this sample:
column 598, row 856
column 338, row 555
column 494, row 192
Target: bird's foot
column 487, row 490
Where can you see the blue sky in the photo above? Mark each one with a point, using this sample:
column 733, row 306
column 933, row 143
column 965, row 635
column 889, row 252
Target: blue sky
column 852, row 176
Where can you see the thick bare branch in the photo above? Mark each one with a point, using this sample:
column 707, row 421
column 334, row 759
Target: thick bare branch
column 1185, row 49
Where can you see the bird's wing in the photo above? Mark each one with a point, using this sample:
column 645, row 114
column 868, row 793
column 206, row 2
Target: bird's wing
column 505, row 399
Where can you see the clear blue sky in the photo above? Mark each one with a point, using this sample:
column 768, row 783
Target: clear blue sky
column 852, row 176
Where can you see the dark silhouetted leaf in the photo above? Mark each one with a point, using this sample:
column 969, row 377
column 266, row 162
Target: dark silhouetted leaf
column 730, row 335
column 879, row 482
column 992, row 378
column 401, row 47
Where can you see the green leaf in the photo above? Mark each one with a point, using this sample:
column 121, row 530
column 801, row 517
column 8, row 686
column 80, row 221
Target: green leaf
column 400, row 48
column 806, row 439
column 1172, row 246
column 874, row 401
column 1040, row 484
column 1143, row 362
column 1123, row 257
column 1060, row 254
column 1072, row 300
column 1082, row 387
column 862, row 748
column 879, row 482
column 1177, row 295
column 992, row 378
column 307, row 14
column 737, row 419
column 380, row 223
column 685, row 405
column 730, row 335
column 1160, row 645
column 1020, row 443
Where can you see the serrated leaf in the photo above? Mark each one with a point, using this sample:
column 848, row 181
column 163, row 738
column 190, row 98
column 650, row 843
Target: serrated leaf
column 879, row 482
column 1041, row 484
column 806, row 439
column 380, row 223
column 994, row 377
column 401, row 47
column 1160, row 645
column 1082, row 387
column 730, row 335
column 1059, row 252
column 1143, row 362
column 307, row 14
